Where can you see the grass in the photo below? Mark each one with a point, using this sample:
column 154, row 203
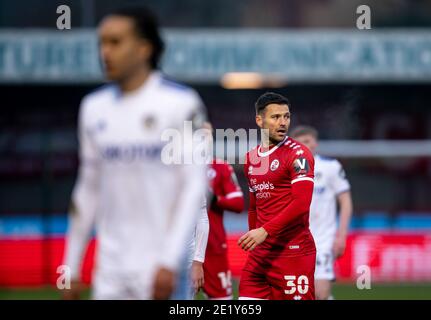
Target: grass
column 342, row 291
column 384, row 291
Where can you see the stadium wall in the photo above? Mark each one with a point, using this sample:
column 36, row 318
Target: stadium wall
column 29, row 257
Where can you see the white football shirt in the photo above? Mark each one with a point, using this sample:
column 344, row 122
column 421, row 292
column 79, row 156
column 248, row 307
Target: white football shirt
column 329, row 181
column 144, row 211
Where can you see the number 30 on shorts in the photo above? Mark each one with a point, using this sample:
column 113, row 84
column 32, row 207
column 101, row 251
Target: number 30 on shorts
column 301, row 284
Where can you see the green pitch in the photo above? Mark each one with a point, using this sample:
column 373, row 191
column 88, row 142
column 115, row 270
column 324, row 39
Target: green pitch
column 393, row 291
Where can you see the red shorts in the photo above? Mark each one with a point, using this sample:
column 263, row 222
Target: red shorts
column 279, row 278
column 217, row 281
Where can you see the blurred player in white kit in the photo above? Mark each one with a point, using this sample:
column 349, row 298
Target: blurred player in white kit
column 144, row 210
column 191, row 275
column 330, row 188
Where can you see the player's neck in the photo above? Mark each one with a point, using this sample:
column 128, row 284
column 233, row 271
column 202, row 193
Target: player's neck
column 134, row 81
column 268, row 143
column 265, row 143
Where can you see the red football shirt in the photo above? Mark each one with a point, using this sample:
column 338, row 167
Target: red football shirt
column 281, row 183
column 225, row 187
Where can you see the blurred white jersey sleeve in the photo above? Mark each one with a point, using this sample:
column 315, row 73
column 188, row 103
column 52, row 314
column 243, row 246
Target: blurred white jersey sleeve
column 339, row 182
column 193, row 185
column 84, row 199
column 201, row 234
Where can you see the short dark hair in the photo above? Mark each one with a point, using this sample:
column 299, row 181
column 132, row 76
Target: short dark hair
column 304, row 130
column 146, row 26
column 269, row 98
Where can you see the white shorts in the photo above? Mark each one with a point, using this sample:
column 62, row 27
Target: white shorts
column 324, row 265
column 119, row 286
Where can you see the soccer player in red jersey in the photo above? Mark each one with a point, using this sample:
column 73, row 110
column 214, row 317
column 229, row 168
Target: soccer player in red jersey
column 225, row 194
column 280, row 172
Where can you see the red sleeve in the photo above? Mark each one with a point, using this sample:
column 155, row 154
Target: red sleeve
column 232, row 198
column 234, row 204
column 252, row 214
column 301, row 193
column 301, row 168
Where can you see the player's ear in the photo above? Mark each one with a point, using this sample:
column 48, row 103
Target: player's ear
column 146, row 49
column 259, row 120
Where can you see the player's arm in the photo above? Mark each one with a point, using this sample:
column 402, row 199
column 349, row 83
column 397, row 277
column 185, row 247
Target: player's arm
column 83, row 207
column 201, row 240
column 252, row 213
column 346, row 208
column 301, row 169
column 252, row 236
column 233, row 198
column 341, row 187
column 184, row 216
column 302, row 192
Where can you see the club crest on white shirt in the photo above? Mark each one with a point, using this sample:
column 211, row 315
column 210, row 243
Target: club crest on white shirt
column 149, row 122
column 211, row 173
column 274, row 165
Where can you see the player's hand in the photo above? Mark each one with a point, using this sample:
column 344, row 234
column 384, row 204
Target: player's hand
column 253, row 238
column 339, row 246
column 197, row 275
column 75, row 291
column 164, row 284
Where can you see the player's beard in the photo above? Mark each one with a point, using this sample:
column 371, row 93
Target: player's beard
column 271, row 139
column 274, row 140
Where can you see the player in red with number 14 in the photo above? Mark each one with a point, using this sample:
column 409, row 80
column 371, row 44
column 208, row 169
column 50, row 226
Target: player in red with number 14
column 280, row 172
column 224, row 194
